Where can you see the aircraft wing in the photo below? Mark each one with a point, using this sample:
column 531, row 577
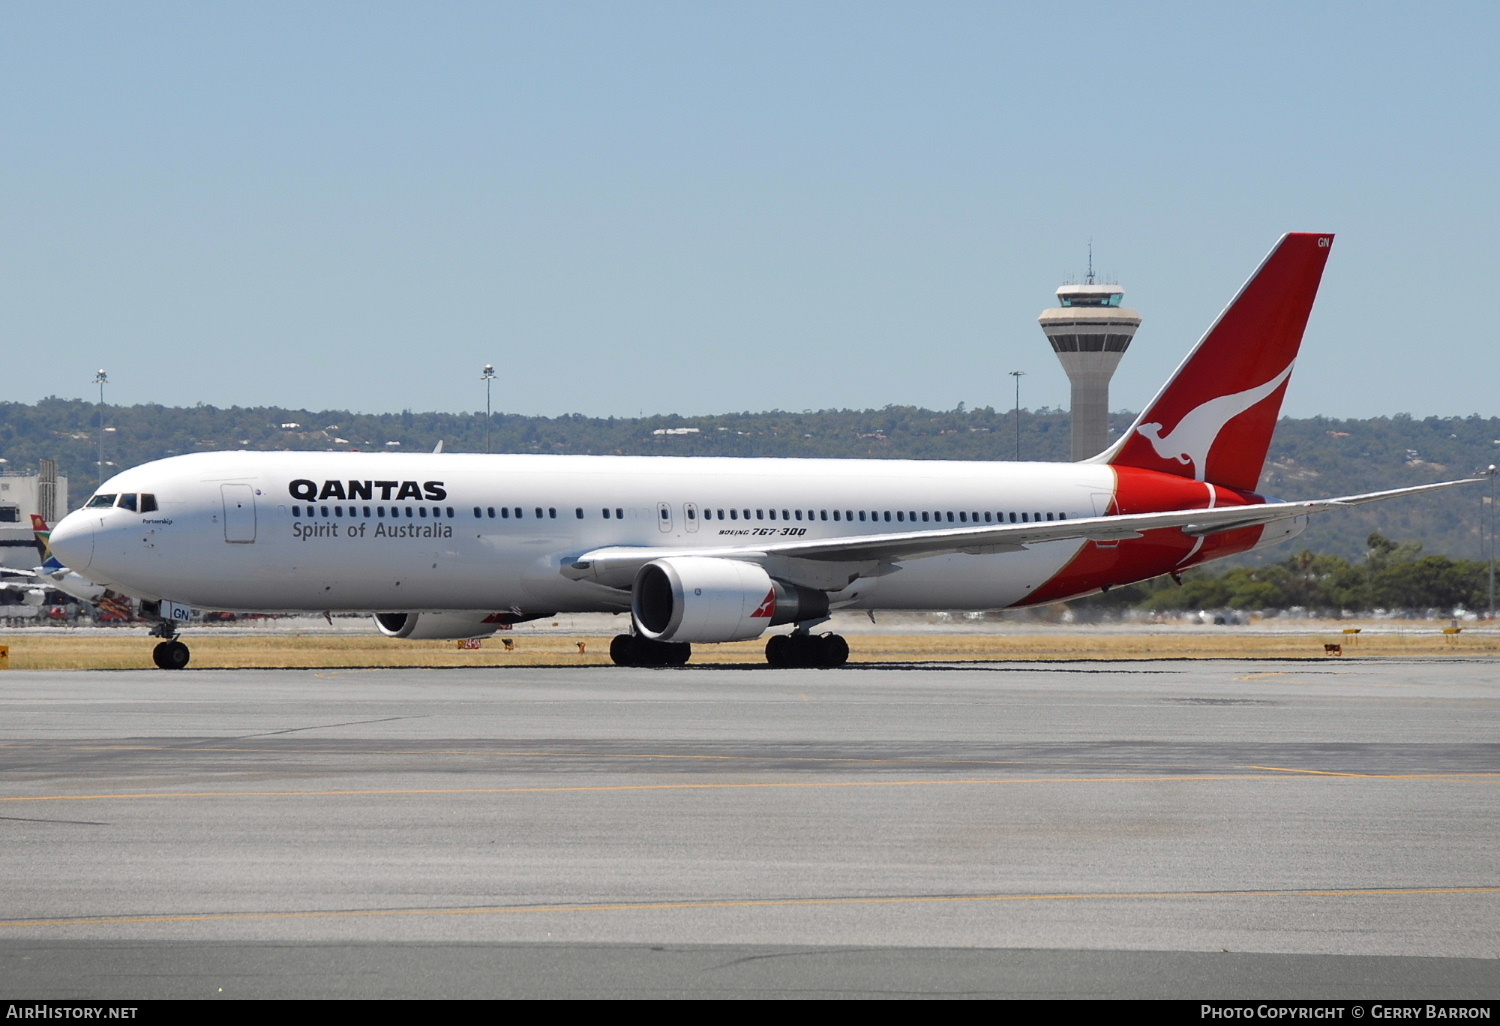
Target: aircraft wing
column 874, row 554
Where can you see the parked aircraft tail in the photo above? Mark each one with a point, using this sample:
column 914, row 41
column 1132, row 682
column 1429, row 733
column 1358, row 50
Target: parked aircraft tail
column 1213, row 420
column 43, row 536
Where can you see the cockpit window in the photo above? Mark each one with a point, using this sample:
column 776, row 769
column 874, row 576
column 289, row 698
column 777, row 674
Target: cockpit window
column 148, row 503
column 100, row 501
column 127, row 501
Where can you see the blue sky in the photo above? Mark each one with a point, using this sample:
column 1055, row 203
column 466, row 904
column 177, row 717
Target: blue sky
column 700, row 207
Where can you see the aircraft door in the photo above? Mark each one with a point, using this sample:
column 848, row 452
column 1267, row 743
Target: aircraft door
column 690, row 516
column 664, row 517
column 239, row 512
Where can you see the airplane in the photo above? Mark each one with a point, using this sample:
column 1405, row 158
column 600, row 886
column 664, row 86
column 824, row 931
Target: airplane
column 702, row 550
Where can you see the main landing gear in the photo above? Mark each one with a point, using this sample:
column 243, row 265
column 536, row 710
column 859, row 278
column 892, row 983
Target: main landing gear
column 799, row 649
column 170, row 654
column 635, row 650
column 802, row 649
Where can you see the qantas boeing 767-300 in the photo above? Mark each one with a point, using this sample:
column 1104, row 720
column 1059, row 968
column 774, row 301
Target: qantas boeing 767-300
column 701, row 549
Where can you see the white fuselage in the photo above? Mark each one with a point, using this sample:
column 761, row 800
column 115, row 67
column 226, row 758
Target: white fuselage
column 288, row 531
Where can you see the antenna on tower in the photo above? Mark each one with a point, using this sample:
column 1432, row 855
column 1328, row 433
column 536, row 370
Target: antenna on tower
column 1091, row 261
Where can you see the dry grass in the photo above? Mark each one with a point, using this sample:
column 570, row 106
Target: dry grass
column 115, row 651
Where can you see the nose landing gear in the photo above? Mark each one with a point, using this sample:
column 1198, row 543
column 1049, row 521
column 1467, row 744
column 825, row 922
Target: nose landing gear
column 170, row 654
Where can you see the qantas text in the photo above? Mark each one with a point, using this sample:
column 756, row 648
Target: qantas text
column 427, row 491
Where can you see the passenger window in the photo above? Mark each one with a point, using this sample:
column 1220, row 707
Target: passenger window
column 338, row 511
column 296, row 511
column 421, row 511
column 761, row 514
column 578, row 512
column 552, row 512
column 324, row 509
column 490, row 510
column 823, row 515
column 620, row 513
column 734, row 514
column 380, row 511
column 835, row 514
column 963, row 517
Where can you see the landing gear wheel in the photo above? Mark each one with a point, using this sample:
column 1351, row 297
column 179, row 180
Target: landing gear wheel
column 170, row 655
column 619, row 649
column 779, row 650
column 832, row 650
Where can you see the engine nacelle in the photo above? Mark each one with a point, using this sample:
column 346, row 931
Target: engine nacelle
column 445, row 625
column 708, row 599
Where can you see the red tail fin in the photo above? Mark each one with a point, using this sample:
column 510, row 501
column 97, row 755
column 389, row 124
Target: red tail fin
column 1213, row 420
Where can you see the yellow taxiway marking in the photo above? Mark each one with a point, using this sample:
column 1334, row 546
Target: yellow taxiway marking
column 670, row 906
column 1278, row 774
column 1373, row 776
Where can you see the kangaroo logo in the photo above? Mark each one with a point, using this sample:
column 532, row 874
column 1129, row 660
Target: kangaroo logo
column 1195, row 434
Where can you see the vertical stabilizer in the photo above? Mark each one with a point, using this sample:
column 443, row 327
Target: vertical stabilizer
column 1213, row 420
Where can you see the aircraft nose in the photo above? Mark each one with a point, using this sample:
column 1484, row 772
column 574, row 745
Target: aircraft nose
column 72, row 541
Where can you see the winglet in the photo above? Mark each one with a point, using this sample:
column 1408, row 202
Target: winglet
column 1213, row 420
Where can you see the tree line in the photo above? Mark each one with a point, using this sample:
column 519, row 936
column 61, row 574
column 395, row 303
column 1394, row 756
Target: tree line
column 1390, row 576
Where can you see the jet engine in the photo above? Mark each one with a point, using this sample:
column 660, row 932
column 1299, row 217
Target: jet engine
column 446, row 625
column 708, row 599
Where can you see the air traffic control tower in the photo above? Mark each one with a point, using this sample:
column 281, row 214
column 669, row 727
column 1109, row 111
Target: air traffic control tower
column 1090, row 331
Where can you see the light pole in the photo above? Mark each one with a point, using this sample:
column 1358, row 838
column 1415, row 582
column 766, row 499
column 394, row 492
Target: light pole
column 101, row 379
column 487, row 377
column 1491, row 472
column 1018, row 375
